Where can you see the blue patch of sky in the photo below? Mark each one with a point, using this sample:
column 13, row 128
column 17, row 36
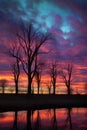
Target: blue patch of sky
column 66, row 28
column 66, row 36
column 44, row 12
column 23, row 4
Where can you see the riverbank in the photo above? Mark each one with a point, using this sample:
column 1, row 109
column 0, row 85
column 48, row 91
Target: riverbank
column 24, row 102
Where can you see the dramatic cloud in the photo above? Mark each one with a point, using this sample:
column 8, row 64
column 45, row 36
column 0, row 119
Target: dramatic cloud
column 66, row 20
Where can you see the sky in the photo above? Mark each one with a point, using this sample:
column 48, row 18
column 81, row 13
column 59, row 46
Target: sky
column 65, row 19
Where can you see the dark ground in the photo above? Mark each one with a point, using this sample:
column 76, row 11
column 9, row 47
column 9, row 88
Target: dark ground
column 24, row 102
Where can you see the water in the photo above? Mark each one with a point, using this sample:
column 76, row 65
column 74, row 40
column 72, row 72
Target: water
column 48, row 119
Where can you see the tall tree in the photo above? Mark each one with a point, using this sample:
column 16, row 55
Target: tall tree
column 16, row 73
column 30, row 40
column 53, row 75
column 38, row 74
column 14, row 52
column 67, row 77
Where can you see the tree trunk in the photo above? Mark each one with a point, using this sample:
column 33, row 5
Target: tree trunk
column 29, row 76
column 54, row 86
column 38, row 87
column 68, row 90
column 29, row 85
column 16, row 86
column 54, row 89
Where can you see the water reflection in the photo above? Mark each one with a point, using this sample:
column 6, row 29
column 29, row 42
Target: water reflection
column 54, row 120
column 37, row 124
column 68, row 120
column 15, row 127
column 49, row 119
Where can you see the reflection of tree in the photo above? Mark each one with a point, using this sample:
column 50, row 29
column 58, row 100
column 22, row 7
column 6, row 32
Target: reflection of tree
column 28, row 120
column 28, row 125
column 15, row 127
column 68, row 119
column 38, row 122
column 48, row 113
column 54, row 120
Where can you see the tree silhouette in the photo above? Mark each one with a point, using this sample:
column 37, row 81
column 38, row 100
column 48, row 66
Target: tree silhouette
column 30, row 41
column 53, row 75
column 67, row 77
column 14, row 52
column 16, row 73
column 3, row 84
column 38, row 74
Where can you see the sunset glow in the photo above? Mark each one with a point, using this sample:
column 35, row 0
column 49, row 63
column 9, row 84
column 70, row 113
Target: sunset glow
column 67, row 21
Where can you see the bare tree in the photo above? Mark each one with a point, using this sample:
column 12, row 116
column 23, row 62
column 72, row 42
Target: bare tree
column 16, row 73
column 30, row 40
column 53, row 75
column 38, row 74
column 67, row 77
column 3, row 84
column 38, row 79
column 14, row 52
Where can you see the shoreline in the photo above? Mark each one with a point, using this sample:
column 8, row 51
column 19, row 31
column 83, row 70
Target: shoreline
column 9, row 102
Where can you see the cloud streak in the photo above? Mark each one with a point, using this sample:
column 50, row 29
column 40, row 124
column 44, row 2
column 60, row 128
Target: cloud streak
column 67, row 21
